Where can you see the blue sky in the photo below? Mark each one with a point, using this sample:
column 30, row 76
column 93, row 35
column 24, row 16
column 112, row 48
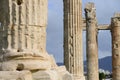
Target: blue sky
column 105, row 9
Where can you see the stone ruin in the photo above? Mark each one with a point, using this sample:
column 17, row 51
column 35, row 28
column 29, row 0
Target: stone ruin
column 73, row 57
column 23, row 54
column 73, row 26
column 91, row 42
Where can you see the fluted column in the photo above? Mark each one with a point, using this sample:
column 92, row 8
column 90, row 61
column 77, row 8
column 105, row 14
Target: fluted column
column 73, row 53
column 115, row 32
column 91, row 42
column 23, row 34
column 23, row 23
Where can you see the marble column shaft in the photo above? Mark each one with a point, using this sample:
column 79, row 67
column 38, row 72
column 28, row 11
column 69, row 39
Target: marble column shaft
column 73, row 52
column 91, row 42
column 115, row 32
column 23, row 35
column 24, row 25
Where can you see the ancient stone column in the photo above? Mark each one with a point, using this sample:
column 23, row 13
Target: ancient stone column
column 73, row 52
column 115, row 32
column 91, row 42
column 23, row 34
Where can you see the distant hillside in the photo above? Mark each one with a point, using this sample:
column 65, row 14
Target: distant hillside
column 60, row 64
column 104, row 63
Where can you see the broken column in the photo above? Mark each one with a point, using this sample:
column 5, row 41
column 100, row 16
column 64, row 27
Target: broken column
column 115, row 32
column 73, row 52
column 91, row 42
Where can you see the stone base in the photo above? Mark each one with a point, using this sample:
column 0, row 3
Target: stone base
column 13, row 64
column 15, row 75
column 59, row 73
column 65, row 75
column 38, row 75
column 46, row 75
column 78, row 77
column 28, row 60
column 20, row 65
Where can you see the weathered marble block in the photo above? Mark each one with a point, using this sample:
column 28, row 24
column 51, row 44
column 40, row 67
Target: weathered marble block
column 15, row 75
column 46, row 75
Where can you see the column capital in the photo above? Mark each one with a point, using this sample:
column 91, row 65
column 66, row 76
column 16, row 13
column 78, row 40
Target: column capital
column 90, row 11
column 115, row 21
column 90, row 14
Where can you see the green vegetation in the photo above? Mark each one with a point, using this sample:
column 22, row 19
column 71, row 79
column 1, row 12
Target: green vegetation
column 102, row 76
